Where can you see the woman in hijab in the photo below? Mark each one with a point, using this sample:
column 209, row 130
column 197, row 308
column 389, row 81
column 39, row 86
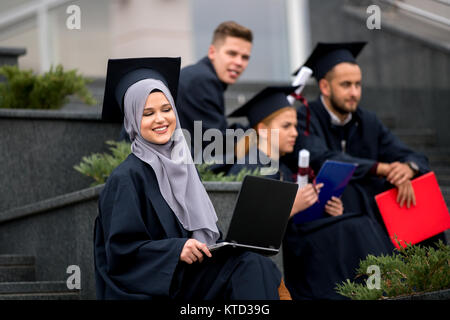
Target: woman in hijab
column 155, row 218
column 317, row 254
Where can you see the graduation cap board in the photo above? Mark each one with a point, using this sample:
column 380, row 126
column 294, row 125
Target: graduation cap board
column 122, row 73
column 259, row 222
column 264, row 103
column 326, row 55
column 429, row 217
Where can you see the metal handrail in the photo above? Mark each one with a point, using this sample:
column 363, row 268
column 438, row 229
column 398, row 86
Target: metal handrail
column 26, row 11
column 421, row 12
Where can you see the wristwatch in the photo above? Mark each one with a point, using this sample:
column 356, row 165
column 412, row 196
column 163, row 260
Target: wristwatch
column 414, row 167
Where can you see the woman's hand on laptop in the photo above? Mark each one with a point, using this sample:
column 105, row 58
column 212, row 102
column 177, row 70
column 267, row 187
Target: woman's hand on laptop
column 193, row 251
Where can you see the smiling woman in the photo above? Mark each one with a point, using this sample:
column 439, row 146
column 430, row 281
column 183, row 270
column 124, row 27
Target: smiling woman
column 155, row 218
column 158, row 121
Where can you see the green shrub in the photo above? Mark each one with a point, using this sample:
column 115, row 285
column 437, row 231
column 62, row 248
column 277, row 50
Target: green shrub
column 23, row 89
column 207, row 175
column 100, row 165
column 412, row 270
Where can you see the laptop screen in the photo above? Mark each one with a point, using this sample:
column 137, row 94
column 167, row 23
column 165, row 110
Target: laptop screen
column 261, row 212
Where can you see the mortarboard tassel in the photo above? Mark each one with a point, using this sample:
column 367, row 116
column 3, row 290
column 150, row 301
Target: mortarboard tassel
column 303, row 100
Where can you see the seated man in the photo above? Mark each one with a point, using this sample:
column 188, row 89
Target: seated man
column 202, row 85
column 341, row 130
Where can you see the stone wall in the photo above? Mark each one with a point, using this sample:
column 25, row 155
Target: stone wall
column 58, row 231
column 39, row 149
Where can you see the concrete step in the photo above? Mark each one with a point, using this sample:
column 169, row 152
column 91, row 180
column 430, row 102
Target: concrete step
column 14, row 268
column 441, row 170
column 417, row 137
column 443, row 180
column 442, row 161
column 446, row 193
column 37, row 290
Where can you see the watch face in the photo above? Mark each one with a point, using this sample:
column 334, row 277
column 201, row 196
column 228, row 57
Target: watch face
column 413, row 166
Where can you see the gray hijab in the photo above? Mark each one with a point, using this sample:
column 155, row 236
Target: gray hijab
column 178, row 179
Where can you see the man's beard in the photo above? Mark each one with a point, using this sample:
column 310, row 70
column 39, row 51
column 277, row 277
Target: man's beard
column 338, row 107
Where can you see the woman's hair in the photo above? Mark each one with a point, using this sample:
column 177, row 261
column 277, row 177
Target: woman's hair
column 267, row 120
column 231, row 29
column 250, row 140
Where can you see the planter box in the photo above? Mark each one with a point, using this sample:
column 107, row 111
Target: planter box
column 39, row 149
column 59, row 231
column 434, row 295
column 10, row 56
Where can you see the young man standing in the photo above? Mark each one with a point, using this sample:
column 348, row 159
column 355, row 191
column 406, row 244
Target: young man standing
column 202, row 85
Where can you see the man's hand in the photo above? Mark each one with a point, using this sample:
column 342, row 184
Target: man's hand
column 399, row 173
column 406, row 194
column 193, row 251
column 383, row 169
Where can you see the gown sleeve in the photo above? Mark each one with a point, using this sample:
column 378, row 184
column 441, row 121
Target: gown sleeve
column 203, row 100
column 139, row 260
column 392, row 149
column 320, row 152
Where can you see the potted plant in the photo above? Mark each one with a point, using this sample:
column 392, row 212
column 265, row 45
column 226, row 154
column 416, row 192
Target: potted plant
column 412, row 272
column 25, row 90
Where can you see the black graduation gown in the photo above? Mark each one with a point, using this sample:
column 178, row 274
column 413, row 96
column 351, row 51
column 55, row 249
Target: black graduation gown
column 367, row 141
column 319, row 254
column 201, row 98
column 283, row 173
column 138, row 241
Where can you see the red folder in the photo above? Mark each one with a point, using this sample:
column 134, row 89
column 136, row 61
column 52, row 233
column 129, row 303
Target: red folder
column 429, row 217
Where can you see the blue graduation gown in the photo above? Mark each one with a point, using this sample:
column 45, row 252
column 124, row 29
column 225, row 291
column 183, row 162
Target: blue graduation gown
column 319, row 254
column 138, row 241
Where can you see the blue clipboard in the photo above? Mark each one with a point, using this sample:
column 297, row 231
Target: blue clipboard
column 335, row 176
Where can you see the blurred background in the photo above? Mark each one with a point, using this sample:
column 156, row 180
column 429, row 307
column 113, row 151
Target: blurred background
column 406, row 81
column 405, row 64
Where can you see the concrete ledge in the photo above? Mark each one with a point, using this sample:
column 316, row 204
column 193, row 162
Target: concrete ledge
column 59, row 231
column 43, row 290
column 86, row 195
column 51, row 114
column 15, row 260
column 10, row 55
column 51, row 204
column 12, row 51
column 216, row 186
column 435, row 295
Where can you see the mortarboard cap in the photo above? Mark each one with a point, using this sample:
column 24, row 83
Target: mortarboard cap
column 326, row 55
column 264, row 104
column 122, row 73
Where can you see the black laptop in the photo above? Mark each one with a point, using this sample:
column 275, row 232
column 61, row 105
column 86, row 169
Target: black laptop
column 260, row 215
